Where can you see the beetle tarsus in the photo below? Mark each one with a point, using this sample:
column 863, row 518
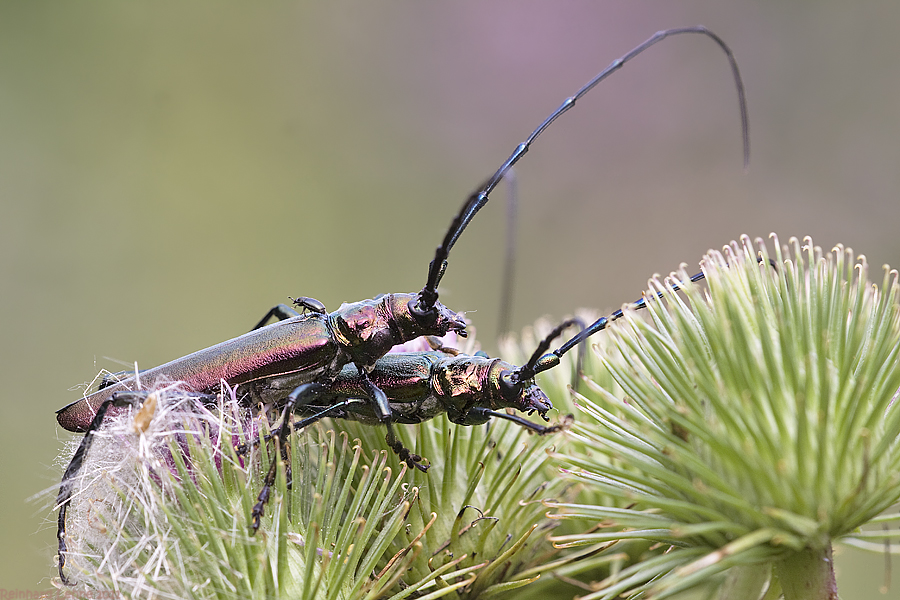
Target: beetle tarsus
column 411, row 459
column 259, row 508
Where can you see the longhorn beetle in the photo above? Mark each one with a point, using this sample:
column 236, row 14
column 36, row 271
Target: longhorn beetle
column 279, row 361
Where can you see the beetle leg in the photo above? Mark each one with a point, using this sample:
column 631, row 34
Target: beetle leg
column 386, row 416
column 436, row 344
column 280, row 312
column 305, row 392
column 68, row 481
column 410, row 458
column 301, row 395
column 477, row 415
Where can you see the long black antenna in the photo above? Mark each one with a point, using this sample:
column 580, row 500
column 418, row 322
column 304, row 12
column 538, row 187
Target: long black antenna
column 509, row 256
column 427, row 298
column 601, row 324
column 547, row 362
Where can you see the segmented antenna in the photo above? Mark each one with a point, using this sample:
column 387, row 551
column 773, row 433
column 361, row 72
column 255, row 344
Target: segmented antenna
column 428, row 296
column 601, row 323
column 534, row 364
column 509, row 256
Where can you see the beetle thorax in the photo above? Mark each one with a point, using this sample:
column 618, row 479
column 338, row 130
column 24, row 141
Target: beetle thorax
column 365, row 330
column 464, row 382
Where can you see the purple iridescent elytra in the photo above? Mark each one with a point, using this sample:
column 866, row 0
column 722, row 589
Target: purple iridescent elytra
column 271, row 361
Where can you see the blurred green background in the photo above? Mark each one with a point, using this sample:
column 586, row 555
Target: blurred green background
column 170, row 172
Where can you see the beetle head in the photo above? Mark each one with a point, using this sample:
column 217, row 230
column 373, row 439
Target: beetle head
column 524, row 396
column 436, row 319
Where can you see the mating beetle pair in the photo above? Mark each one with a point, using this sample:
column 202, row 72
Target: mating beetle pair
column 336, row 364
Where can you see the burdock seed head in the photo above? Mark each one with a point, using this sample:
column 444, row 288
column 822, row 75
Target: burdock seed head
column 757, row 423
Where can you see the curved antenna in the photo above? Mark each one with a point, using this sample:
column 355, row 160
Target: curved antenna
column 427, row 298
column 509, row 258
column 600, row 324
column 534, row 363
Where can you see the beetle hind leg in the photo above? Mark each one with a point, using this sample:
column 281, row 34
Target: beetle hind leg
column 302, row 395
column 386, row 416
column 411, row 459
column 280, row 312
column 67, row 486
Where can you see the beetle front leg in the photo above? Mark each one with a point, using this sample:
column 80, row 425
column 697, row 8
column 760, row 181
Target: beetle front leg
column 411, row 459
column 479, row 415
column 386, row 416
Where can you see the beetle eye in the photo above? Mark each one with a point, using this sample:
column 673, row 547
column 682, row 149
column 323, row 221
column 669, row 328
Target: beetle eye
column 424, row 317
column 508, row 388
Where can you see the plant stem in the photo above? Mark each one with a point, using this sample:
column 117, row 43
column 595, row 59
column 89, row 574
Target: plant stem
column 808, row 575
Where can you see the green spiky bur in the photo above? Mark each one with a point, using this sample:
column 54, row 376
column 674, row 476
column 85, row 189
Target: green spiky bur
column 757, row 424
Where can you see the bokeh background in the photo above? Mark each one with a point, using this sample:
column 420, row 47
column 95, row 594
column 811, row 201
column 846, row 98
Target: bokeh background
column 170, row 172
